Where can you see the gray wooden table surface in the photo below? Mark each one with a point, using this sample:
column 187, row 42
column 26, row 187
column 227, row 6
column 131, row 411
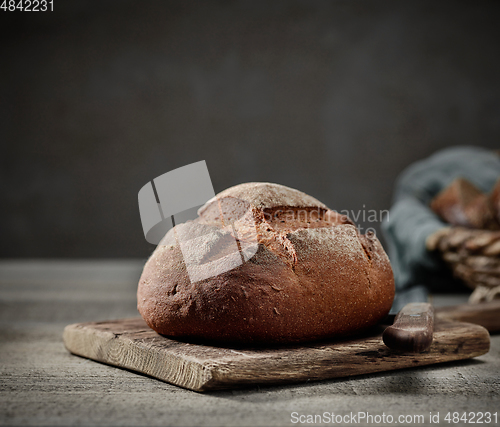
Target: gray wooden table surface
column 42, row 384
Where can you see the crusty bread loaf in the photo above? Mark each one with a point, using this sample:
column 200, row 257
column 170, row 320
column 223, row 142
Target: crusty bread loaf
column 463, row 204
column 304, row 272
column 494, row 199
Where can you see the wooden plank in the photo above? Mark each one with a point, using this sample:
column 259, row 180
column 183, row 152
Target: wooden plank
column 131, row 344
column 486, row 314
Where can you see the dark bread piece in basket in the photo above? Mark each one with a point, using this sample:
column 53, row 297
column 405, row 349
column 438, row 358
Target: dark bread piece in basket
column 463, row 204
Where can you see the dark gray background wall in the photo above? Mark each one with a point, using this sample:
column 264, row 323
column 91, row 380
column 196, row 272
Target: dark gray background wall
column 334, row 98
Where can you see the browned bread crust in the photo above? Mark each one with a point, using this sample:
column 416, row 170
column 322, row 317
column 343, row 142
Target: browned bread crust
column 495, row 201
column 312, row 276
column 463, row 204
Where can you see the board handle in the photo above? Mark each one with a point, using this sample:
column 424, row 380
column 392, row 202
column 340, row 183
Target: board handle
column 412, row 330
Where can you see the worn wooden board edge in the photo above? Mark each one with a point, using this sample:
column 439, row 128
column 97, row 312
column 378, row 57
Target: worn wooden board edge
column 486, row 314
column 131, row 344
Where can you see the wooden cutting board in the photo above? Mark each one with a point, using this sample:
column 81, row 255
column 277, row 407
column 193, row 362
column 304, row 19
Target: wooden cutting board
column 486, row 314
column 131, row 344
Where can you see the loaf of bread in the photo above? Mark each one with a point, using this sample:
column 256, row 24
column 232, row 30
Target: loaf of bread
column 463, row 204
column 494, row 199
column 265, row 264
